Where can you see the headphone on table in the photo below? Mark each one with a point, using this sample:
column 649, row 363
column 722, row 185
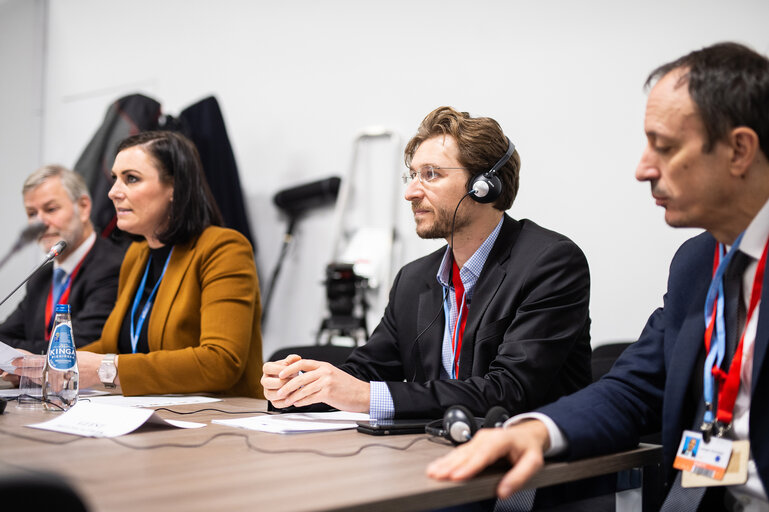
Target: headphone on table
column 459, row 425
column 486, row 187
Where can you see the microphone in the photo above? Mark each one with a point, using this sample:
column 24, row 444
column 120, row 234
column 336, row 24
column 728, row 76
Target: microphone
column 310, row 195
column 55, row 251
column 27, row 235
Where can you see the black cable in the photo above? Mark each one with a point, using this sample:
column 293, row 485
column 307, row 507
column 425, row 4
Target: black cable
column 32, row 397
column 249, row 444
column 211, row 409
column 255, row 448
column 415, row 345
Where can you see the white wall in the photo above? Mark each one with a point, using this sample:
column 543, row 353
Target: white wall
column 22, row 29
column 298, row 80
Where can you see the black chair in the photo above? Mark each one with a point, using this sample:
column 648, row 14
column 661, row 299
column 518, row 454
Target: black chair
column 604, row 357
column 333, row 354
column 38, row 491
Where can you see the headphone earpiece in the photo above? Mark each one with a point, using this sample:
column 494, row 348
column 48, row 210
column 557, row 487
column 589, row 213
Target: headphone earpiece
column 459, row 425
column 487, row 187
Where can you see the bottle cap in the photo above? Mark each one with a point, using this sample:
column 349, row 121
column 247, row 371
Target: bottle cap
column 62, row 308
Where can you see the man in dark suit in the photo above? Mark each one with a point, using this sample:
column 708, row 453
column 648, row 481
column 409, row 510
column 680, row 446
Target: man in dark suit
column 499, row 317
column 87, row 269
column 707, row 125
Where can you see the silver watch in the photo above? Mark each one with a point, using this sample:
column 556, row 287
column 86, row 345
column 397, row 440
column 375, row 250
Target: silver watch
column 108, row 371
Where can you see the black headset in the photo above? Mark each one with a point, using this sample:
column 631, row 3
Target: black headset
column 486, row 187
column 459, row 425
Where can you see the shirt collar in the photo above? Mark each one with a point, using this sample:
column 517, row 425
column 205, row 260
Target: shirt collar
column 756, row 234
column 472, row 266
column 72, row 259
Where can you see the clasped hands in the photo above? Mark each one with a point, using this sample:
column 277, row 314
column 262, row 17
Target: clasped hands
column 299, row 382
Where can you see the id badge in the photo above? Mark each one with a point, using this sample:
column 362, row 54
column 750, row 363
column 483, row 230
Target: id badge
column 706, row 459
column 705, row 464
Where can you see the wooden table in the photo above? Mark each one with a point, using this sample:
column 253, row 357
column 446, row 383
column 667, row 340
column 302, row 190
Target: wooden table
column 167, row 470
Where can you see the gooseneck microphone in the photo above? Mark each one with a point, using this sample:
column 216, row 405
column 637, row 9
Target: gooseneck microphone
column 55, row 251
column 27, row 235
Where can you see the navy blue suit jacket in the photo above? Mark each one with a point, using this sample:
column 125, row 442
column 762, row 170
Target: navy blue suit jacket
column 655, row 383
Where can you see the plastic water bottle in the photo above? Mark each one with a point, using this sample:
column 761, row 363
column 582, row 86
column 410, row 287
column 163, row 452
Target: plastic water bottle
column 60, row 375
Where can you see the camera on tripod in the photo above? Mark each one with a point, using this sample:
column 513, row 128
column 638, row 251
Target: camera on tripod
column 346, row 296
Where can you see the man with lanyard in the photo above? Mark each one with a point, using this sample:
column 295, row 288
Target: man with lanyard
column 85, row 275
column 499, row 317
column 700, row 369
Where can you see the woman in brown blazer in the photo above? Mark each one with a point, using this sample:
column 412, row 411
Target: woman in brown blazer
column 187, row 314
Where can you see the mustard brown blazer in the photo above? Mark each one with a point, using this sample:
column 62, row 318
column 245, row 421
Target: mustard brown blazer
column 204, row 329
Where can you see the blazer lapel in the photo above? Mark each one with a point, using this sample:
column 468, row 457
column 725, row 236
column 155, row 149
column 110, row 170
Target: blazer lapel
column 489, row 282
column 762, row 334
column 429, row 352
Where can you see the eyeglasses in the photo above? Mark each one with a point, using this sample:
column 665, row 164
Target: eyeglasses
column 426, row 174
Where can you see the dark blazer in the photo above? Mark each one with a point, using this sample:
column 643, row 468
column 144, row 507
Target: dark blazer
column 91, row 298
column 527, row 338
column 656, row 383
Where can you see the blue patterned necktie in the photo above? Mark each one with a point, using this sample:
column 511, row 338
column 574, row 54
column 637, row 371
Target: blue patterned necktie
column 59, row 277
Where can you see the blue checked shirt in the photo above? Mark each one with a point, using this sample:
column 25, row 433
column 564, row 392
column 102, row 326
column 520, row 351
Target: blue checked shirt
column 381, row 405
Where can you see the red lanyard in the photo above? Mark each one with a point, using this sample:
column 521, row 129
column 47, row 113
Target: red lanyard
column 459, row 326
column 62, row 300
column 729, row 383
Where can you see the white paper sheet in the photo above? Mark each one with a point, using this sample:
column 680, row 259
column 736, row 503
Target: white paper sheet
column 152, row 400
column 8, row 354
column 96, row 420
column 294, row 423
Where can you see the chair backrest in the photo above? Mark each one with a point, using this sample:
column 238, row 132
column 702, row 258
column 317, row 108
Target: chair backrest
column 333, row 354
column 604, row 357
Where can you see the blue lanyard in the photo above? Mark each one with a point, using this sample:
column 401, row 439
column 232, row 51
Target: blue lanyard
column 136, row 329
column 718, row 348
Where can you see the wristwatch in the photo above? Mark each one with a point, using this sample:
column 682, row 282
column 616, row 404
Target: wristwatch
column 108, row 371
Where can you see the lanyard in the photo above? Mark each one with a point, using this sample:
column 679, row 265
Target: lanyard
column 459, row 326
column 63, row 298
column 137, row 328
column 714, row 377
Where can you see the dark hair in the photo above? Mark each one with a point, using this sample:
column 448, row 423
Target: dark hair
column 481, row 144
column 729, row 84
column 193, row 208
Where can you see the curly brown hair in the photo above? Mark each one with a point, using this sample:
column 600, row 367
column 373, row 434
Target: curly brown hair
column 481, row 144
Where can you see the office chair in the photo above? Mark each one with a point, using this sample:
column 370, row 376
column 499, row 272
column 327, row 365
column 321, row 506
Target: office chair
column 38, row 491
column 604, row 357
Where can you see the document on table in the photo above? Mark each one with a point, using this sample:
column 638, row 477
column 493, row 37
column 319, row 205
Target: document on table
column 295, row 423
column 96, row 420
column 8, row 354
column 152, row 400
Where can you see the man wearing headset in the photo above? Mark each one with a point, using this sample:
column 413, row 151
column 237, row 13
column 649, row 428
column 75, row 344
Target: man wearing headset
column 499, row 317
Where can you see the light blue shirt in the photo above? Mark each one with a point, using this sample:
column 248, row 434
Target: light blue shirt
column 381, row 405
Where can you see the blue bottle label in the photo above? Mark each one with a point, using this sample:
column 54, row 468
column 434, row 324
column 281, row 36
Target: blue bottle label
column 61, row 355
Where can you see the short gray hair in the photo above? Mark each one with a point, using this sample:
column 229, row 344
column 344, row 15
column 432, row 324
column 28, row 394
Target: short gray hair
column 73, row 183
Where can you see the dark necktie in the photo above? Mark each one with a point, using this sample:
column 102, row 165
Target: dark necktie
column 734, row 305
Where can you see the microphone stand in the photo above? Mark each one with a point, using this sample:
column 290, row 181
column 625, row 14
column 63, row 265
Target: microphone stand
column 55, row 251
column 287, row 239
